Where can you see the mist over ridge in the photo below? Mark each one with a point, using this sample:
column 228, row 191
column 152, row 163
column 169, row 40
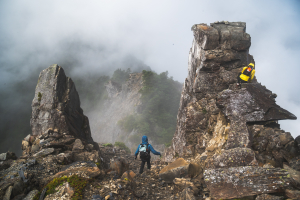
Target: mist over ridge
column 98, row 38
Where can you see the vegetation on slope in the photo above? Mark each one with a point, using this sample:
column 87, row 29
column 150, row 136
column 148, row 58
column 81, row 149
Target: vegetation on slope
column 160, row 102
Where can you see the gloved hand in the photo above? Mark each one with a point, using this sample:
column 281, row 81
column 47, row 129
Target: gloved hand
column 135, row 157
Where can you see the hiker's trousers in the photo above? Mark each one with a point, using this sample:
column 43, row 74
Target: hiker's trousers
column 143, row 164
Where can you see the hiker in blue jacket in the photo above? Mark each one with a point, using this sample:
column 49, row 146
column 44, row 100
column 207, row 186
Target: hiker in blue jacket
column 144, row 150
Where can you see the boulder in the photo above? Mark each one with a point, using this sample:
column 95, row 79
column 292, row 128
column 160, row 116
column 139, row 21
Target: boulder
column 295, row 175
column 128, row 175
column 86, row 156
column 18, row 188
column 233, row 158
column 31, row 195
column 78, row 145
column 64, row 158
column 295, row 163
column 81, row 168
column 186, row 183
column 187, row 194
column 120, row 165
column 44, row 152
column 8, row 193
column 7, row 156
column 237, row 182
column 179, row 169
column 293, row 194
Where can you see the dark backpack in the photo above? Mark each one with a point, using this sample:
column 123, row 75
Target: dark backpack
column 248, row 71
column 144, row 151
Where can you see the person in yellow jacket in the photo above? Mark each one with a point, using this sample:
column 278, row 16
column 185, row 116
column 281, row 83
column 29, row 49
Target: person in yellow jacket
column 246, row 75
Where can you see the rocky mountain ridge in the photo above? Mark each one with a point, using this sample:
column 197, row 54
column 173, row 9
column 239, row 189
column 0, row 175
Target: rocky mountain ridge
column 227, row 145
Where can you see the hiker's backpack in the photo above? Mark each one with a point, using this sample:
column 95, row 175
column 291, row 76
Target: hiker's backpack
column 248, row 71
column 144, row 151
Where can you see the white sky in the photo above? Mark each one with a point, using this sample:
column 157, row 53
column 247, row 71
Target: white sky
column 100, row 34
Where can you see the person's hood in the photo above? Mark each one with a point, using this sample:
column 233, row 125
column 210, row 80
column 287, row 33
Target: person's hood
column 144, row 139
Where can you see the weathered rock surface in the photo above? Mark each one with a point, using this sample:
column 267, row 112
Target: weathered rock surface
column 8, row 156
column 31, row 195
column 222, row 127
column 293, row 194
column 236, row 182
column 120, row 165
column 56, row 112
column 179, row 169
column 232, row 158
column 269, row 197
column 252, row 103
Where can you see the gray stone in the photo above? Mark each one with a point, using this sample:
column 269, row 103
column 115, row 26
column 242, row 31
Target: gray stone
column 293, row 194
column 8, row 193
column 8, row 155
column 268, row 197
column 31, row 194
column 44, row 152
column 236, row 182
column 233, row 158
column 17, row 188
column 35, row 148
column 252, row 103
column 3, row 156
column 187, row 194
column 78, row 145
column 56, row 106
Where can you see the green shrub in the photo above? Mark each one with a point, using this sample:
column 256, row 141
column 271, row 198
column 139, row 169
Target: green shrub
column 39, row 96
column 122, row 146
column 75, row 182
column 157, row 116
column 108, row 145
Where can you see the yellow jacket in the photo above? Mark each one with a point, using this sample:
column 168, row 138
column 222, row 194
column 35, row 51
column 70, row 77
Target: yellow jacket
column 245, row 77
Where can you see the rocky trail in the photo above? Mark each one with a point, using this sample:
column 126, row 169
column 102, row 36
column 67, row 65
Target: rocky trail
column 25, row 179
column 147, row 185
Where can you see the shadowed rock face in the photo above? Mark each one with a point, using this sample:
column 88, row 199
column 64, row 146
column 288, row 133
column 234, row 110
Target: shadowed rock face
column 56, row 105
column 57, row 119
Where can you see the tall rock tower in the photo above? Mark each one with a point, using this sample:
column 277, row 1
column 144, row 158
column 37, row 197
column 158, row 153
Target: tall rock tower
column 221, row 126
column 56, row 111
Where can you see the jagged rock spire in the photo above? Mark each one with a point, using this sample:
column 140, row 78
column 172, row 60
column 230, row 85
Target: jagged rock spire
column 224, row 128
column 56, row 110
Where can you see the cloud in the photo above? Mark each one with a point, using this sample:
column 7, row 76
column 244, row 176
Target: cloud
column 98, row 36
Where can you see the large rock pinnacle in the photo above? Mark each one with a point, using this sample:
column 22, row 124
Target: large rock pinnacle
column 56, row 108
column 223, row 128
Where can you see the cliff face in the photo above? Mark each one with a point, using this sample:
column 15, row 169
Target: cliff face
column 123, row 100
column 222, row 126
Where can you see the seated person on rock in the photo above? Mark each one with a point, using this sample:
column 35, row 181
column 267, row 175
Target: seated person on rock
column 144, row 150
column 246, row 75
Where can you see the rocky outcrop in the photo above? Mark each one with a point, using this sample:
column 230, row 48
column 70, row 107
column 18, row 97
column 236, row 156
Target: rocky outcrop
column 228, row 130
column 57, row 119
column 237, row 182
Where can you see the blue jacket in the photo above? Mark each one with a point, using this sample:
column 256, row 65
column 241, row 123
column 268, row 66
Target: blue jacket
column 145, row 141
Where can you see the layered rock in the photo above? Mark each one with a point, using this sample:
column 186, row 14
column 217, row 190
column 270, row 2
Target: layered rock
column 224, row 128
